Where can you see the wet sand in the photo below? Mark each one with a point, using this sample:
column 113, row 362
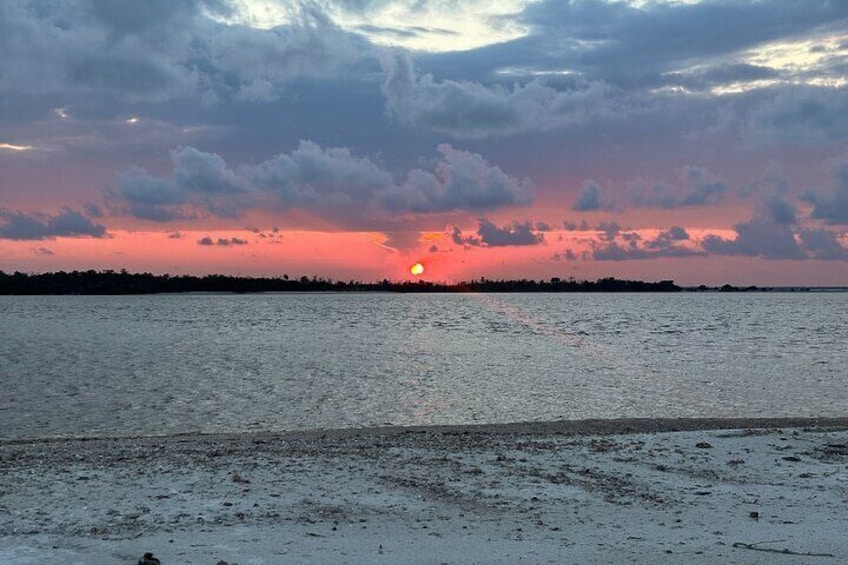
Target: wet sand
column 636, row 491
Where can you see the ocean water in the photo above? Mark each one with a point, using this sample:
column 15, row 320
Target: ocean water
column 149, row 365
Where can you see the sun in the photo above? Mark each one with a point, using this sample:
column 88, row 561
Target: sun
column 417, row 269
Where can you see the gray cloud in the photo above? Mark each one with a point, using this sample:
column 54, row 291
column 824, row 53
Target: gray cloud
column 633, row 248
column 490, row 235
column 621, row 42
column 698, row 187
column 516, row 234
column 823, row 244
column 124, row 52
column 462, row 181
column 832, row 205
column 609, row 229
column 325, row 180
column 589, row 197
column 780, row 210
column 632, row 251
column 801, row 115
column 759, row 237
column 36, row 226
column 471, row 109
column 221, row 241
column 665, row 240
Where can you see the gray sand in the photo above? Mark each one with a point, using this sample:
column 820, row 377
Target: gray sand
column 639, row 491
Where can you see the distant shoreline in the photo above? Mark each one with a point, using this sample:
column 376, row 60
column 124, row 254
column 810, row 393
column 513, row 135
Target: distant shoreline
column 122, row 283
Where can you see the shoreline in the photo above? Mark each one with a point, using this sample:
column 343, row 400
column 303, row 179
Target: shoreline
column 593, row 426
column 645, row 491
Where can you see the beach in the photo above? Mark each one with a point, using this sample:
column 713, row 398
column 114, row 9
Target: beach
column 603, row 491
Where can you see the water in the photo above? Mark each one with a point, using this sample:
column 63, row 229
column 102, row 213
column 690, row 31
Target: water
column 129, row 365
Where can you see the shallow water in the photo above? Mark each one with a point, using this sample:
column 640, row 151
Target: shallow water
column 128, row 365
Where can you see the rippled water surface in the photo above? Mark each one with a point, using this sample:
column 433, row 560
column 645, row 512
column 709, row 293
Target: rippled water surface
column 96, row 365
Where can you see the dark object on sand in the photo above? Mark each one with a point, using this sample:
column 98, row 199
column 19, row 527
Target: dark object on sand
column 148, row 559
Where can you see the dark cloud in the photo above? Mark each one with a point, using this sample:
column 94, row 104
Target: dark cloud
column 632, row 247
column 490, row 235
column 589, row 197
column 832, row 205
column 631, row 251
column 665, row 240
column 456, row 236
column 823, row 244
column 15, row 224
column 780, row 210
column 119, row 54
column 516, row 234
column 329, row 181
column 759, row 237
column 621, row 42
column 221, row 241
column 609, row 229
column 801, row 115
column 573, row 226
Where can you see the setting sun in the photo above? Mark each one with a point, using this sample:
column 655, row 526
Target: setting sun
column 417, row 269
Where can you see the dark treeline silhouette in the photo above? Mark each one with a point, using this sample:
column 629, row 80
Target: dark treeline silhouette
column 123, row 282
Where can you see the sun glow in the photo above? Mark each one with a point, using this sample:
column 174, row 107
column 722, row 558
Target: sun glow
column 417, row 269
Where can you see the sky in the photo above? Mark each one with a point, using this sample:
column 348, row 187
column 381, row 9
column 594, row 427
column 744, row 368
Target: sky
column 700, row 141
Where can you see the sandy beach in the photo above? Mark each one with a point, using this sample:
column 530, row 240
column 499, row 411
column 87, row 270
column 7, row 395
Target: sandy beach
column 634, row 491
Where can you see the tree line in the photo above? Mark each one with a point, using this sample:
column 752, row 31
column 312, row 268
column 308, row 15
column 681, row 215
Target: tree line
column 123, row 282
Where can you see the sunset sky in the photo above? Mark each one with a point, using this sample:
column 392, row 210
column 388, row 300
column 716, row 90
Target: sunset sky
column 700, row 141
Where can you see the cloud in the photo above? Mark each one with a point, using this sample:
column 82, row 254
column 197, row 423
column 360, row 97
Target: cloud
column 832, row 205
column 759, row 237
column 490, row 235
column 67, row 223
column 698, row 187
column 780, row 210
column 806, row 115
column 329, row 181
column 665, row 244
column 516, row 234
column 609, row 230
column 614, row 251
column 221, row 241
column 666, row 239
column 631, row 43
column 823, row 244
column 402, row 239
column 462, row 181
column 589, row 198
column 472, row 109
column 162, row 50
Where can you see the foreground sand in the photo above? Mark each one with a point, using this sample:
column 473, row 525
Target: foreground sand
column 744, row 491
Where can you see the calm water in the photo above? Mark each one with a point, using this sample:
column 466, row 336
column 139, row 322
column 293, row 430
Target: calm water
column 179, row 363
